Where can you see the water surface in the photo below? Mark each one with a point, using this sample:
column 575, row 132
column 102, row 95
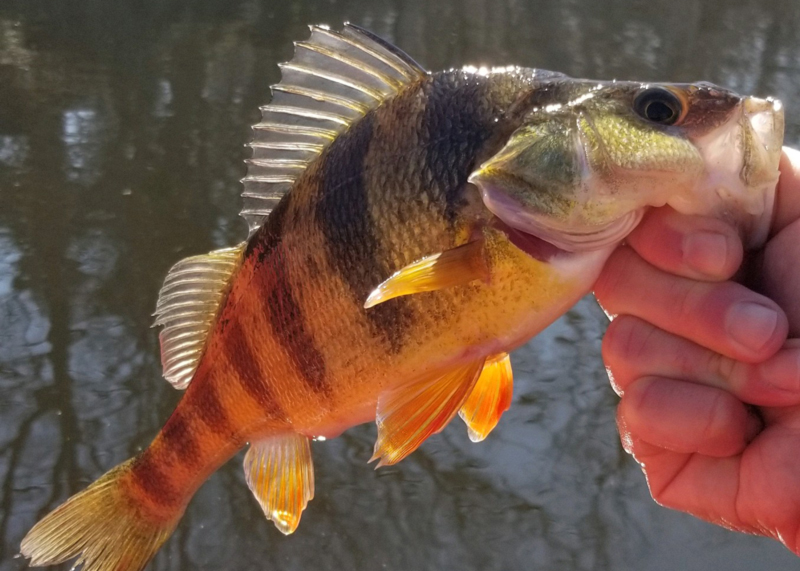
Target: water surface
column 122, row 127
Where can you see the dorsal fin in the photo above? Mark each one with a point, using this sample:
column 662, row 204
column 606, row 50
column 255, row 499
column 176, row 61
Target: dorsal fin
column 333, row 80
column 187, row 308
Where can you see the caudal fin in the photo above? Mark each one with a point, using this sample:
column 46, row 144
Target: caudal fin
column 102, row 525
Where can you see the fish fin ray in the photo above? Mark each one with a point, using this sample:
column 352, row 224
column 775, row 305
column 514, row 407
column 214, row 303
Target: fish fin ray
column 451, row 268
column 280, row 473
column 490, row 397
column 407, row 416
column 100, row 526
column 333, row 80
column 187, row 309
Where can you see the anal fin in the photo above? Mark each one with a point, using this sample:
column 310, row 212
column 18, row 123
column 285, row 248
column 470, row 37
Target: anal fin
column 451, row 268
column 407, row 416
column 490, row 397
column 280, row 473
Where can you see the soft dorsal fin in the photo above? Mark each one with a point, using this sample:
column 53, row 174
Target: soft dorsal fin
column 187, row 308
column 333, row 80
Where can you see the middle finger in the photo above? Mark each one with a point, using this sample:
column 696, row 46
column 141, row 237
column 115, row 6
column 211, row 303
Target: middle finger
column 725, row 317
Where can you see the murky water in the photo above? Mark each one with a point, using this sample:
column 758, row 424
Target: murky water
column 122, row 127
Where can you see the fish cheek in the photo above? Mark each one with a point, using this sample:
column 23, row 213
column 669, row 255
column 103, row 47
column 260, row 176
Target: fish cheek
column 615, row 143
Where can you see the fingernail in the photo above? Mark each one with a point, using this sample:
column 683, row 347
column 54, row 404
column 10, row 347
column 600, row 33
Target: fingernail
column 706, row 252
column 752, row 325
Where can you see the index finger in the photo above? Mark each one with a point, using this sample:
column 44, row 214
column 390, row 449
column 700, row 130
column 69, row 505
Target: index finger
column 697, row 247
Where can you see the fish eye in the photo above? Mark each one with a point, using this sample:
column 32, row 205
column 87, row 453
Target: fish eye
column 658, row 105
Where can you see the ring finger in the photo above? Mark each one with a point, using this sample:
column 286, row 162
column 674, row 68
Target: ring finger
column 633, row 349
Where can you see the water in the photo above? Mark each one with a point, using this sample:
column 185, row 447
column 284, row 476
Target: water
column 122, row 127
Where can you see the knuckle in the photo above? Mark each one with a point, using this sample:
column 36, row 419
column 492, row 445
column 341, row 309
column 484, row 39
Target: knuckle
column 722, row 368
column 625, row 347
column 724, row 419
column 683, row 296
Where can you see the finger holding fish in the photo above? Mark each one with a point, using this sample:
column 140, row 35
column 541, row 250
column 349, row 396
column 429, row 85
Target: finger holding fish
column 726, row 317
column 685, row 417
column 698, row 247
column 634, row 349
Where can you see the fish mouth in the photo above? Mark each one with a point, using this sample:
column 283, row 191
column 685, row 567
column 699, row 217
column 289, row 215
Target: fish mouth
column 742, row 158
column 531, row 244
column 763, row 122
column 765, row 117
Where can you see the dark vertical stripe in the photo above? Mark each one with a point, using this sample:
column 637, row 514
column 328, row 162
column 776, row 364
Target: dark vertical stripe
column 457, row 122
column 351, row 238
column 289, row 326
column 285, row 314
column 247, row 371
column 179, row 438
column 208, row 407
column 269, row 235
column 152, row 477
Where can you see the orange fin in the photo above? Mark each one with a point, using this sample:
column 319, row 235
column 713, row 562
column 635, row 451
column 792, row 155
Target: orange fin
column 102, row 525
column 407, row 416
column 490, row 397
column 454, row 267
column 280, row 473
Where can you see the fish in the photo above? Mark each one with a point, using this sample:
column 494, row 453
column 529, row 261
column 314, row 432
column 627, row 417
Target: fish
column 407, row 231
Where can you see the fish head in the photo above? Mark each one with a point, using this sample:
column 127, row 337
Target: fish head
column 588, row 158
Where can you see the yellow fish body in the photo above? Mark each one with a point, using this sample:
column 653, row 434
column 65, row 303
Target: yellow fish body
column 408, row 230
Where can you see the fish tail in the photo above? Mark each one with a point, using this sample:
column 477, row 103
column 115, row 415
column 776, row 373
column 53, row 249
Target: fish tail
column 105, row 524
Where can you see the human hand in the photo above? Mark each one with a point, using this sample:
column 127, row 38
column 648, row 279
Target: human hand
column 709, row 383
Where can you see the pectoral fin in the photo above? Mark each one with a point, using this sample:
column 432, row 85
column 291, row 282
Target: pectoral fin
column 280, row 473
column 407, row 416
column 490, row 397
column 454, row 267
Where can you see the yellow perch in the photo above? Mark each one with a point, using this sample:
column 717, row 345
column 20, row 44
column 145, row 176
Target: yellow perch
column 407, row 230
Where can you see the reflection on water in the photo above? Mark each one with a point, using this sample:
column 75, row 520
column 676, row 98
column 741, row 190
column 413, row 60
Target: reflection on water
column 121, row 133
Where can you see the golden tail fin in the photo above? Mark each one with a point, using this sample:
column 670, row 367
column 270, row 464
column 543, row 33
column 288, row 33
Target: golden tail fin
column 103, row 525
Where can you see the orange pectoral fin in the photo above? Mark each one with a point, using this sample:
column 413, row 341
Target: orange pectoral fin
column 407, row 416
column 454, row 267
column 490, row 397
column 280, row 473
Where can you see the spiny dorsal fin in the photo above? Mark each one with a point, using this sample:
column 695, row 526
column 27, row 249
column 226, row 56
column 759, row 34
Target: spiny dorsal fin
column 187, row 308
column 333, row 80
